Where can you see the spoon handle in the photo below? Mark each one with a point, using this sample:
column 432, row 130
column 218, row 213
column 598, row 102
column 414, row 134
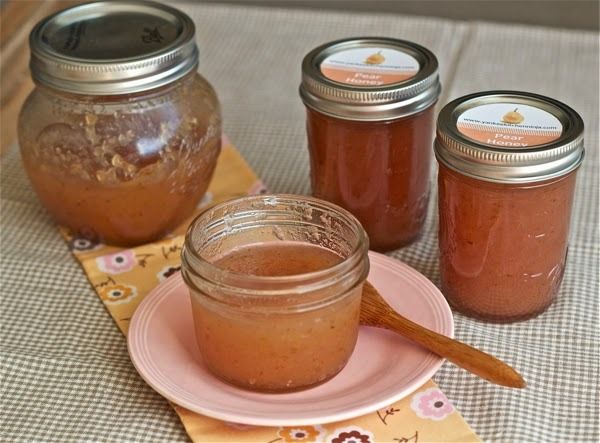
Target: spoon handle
column 376, row 312
column 473, row 360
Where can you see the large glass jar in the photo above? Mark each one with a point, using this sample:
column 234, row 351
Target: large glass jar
column 508, row 162
column 275, row 284
column 121, row 136
column 370, row 119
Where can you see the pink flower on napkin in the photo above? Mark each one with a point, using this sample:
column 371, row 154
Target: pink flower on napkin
column 117, row 263
column 257, row 188
column 84, row 244
column 431, row 404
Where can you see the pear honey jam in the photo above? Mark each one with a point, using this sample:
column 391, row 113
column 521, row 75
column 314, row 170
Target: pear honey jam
column 507, row 168
column 370, row 119
column 120, row 136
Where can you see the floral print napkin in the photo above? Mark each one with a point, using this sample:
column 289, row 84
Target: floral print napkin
column 123, row 277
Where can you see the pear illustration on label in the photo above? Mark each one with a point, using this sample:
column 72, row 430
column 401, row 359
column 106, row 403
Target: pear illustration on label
column 375, row 59
column 513, row 117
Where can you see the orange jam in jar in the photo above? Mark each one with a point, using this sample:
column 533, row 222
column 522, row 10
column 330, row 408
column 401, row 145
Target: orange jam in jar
column 121, row 136
column 370, row 126
column 275, row 284
column 508, row 162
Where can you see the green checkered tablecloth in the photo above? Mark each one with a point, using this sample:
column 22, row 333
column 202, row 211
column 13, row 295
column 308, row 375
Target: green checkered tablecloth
column 65, row 371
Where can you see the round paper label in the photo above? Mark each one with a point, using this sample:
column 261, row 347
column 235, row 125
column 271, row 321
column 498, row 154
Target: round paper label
column 513, row 125
column 370, row 66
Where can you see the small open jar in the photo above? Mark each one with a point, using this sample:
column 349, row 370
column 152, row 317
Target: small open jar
column 275, row 285
column 506, row 181
column 121, row 136
column 370, row 104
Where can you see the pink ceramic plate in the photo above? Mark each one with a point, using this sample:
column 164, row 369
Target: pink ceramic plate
column 383, row 368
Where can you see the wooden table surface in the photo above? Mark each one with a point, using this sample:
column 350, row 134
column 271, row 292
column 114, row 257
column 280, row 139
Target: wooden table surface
column 17, row 18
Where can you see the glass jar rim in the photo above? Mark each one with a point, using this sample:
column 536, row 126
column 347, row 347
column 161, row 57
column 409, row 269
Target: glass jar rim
column 359, row 249
column 361, row 244
column 110, row 99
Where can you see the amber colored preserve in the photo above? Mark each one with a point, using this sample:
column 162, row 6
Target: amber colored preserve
column 369, row 124
column 120, row 136
column 284, row 351
column 507, row 170
column 377, row 170
column 275, row 285
column 126, row 177
column 503, row 247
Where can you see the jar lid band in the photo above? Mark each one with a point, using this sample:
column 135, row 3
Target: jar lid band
column 370, row 78
column 509, row 137
column 113, row 47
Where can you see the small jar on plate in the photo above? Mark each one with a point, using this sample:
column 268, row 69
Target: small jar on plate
column 275, row 284
column 507, row 168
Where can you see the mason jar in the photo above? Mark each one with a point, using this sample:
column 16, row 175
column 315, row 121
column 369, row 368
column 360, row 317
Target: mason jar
column 370, row 123
column 121, row 135
column 507, row 168
column 275, row 283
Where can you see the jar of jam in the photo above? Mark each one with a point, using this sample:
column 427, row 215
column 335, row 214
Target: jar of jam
column 507, row 166
column 275, row 284
column 370, row 116
column 121, row 136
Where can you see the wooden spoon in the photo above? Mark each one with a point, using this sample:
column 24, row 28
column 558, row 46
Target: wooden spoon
column 374, row 311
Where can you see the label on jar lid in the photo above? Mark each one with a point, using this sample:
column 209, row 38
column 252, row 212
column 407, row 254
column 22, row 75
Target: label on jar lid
column 512, row 125
column 369, row 66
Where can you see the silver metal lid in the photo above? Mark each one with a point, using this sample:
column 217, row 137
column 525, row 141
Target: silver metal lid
column 370, row 79
column 113, row 47
column 509, row 137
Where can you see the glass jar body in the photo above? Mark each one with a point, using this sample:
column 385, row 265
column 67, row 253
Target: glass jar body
column 281, row 352
column 126, row 169
column 379, row 171
column 275, row 333
column 503, row 247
